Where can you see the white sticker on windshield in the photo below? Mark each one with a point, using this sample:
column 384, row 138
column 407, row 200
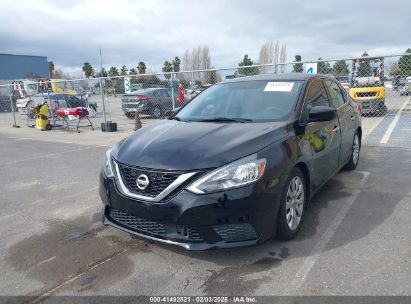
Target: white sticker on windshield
column 279, row 86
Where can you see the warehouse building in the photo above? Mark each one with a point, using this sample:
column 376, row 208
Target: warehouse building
column 22, row 67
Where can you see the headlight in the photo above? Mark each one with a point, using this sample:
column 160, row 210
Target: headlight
column 239, row 173
column 108, row 170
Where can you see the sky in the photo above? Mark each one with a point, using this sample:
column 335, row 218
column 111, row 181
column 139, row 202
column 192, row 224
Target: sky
column 70, row 32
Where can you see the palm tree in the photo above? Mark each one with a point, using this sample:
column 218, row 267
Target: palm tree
column 88, row 69
column 167, row 68
column 132, row 71
column 141, row 67
column 176, row 64
column 51, row 68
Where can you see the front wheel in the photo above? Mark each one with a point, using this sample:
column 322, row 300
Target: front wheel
column 355, row 154
column 293, row 201
column 156, row 112
column 130, row 114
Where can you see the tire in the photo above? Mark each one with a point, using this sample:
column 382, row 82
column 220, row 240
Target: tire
column 292, row 206
column 156, row 113
column 355, row 154
column 130, row 114
column 93, row 106
column 382, row 110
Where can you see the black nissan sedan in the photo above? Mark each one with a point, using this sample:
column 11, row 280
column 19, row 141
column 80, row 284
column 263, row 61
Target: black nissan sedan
column 235, row 166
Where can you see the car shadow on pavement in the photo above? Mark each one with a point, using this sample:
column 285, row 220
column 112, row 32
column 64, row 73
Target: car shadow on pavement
column 387, row 184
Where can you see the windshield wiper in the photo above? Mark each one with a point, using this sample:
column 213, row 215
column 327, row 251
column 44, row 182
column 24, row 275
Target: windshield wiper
column 175, row 118
column 224, row 119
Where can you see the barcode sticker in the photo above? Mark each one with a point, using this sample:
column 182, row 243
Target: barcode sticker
column 280, row 86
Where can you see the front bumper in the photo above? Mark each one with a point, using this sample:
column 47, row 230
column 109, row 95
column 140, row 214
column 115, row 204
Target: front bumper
column 227, row 219
column 371, row 105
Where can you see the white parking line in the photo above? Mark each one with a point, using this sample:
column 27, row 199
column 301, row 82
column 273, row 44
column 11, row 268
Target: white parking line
column 392, row 125
column 309, row 262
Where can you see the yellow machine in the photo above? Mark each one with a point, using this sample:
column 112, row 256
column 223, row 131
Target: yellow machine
column 42, row 119
column 367, row 85
column 60, row 86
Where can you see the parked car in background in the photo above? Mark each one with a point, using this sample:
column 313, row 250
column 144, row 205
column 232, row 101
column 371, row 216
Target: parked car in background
column 398, row 82
column 235, row 75
column 141, row 86
column 236, row 165
column 406, row 89
column 155, row 102
column 193, row 91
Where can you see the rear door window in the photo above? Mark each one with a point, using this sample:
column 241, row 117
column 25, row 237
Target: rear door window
column 337, row 97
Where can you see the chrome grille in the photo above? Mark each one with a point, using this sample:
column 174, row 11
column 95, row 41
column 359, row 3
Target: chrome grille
column 158, row 180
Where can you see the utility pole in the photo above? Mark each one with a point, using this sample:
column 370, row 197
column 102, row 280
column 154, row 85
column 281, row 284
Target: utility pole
column 101, row 88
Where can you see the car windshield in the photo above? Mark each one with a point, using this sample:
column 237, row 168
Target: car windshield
column 257, row 100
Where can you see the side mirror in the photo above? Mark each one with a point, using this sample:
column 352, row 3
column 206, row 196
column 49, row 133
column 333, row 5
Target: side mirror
column 321, row 113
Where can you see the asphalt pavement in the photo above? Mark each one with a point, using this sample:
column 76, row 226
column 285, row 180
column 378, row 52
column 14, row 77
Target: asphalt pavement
column 355, row 239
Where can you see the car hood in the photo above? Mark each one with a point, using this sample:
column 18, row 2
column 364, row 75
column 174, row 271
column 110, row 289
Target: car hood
column 177, row 145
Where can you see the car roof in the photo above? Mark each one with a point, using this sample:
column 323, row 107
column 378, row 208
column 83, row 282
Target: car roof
column 147, row 90
column 275, row 77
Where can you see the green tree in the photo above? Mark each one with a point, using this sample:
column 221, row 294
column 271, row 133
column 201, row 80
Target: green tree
column 51, row 68
column 404, row 64
column 167, row 68
column 123, row 71
column 340, row 68
column 297, row 67
column 323, row 67
column 132, row 71
column 113, row 71
column 176, row 64
column 249, row 70
column 141, row 67
column 87, row 69
column 364, row 68
column 212, row 77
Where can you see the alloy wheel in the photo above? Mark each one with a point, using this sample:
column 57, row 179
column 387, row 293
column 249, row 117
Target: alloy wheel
column 355, row 149
column 157, row 112
column 295, row 202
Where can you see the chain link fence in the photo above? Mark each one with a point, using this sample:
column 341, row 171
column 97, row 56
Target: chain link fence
column 380, row 85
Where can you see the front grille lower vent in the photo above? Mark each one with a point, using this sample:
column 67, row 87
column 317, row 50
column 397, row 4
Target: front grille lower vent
column 152, row 227
column 236, row 232
column 138, row 224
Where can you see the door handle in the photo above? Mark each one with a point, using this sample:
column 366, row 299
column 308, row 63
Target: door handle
column 336, row 129
column 352, row 117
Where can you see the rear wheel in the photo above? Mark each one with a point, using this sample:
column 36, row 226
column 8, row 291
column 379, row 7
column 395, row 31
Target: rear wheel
column 156, row 112
column 130, row 114
column 355, row 154
column 293, row 201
